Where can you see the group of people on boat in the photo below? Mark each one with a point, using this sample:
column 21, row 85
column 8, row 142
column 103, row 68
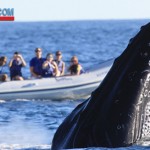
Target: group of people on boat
column 39, row 67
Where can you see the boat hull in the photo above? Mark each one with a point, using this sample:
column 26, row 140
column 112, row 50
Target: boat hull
column 53, row 94
column 58, row 88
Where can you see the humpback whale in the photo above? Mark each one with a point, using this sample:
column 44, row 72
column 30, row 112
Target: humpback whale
column 117, row 114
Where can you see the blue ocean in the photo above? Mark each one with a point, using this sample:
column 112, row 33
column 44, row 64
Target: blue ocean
column 27, row 124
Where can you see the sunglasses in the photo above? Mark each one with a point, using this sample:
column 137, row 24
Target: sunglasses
column 74, row 61
column 38, row 51
column 58, row 54
column 48, row 57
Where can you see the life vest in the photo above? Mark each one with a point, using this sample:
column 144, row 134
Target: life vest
column 74, row 69
column 82, row 70
column 60, row 65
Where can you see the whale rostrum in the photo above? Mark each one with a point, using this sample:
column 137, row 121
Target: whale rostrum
column 118, row 112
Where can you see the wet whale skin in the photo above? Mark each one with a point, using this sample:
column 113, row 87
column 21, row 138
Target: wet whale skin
column 114, row 114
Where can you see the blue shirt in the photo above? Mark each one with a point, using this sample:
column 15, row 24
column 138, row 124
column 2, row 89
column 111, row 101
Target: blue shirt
column 60, row 65
column 37, row 65
column 4, row 69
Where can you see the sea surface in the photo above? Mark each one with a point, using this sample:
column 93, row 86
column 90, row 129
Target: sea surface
column 30, row 124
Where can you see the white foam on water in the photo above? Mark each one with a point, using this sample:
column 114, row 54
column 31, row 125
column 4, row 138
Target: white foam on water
column 23, row 147
column 2, row 101
column 24, row 133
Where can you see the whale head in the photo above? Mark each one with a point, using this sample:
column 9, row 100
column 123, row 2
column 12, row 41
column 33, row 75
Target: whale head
column 118, row 112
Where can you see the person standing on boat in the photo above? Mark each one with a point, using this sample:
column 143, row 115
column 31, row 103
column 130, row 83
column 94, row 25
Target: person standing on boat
column 3, row 74
column 36, row 64
column 75, row 68
column 50, row 67
column 15, row 65
column 60, row 63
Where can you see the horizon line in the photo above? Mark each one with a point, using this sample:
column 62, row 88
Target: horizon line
column 71, row 20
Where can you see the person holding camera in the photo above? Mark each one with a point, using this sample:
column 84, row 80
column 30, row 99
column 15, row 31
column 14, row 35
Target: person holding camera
column 50, row 68
column 15, row 65
column 3, row 74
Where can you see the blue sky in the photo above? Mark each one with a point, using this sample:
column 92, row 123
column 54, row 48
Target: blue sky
column 44, row 10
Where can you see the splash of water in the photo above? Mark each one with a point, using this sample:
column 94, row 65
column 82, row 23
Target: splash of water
column 23, row 133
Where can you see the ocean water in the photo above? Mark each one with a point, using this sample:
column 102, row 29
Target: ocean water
column 31, row 124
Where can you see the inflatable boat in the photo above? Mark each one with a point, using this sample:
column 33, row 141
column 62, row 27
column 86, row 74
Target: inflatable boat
column 56, row 88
